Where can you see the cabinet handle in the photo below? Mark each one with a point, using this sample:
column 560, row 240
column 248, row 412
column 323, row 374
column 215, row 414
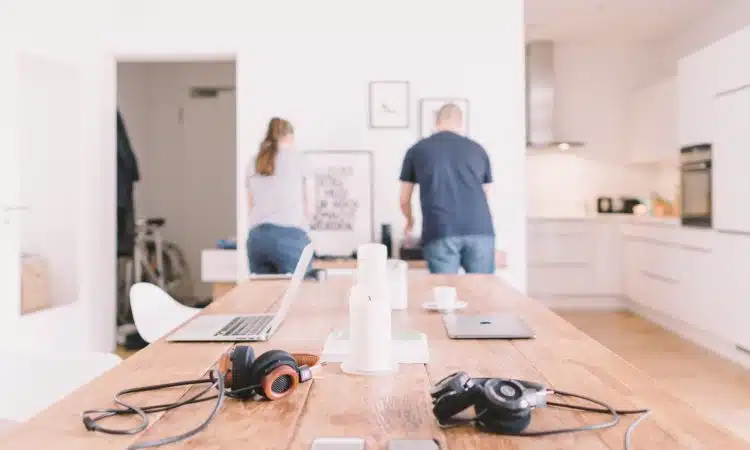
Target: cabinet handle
column 737, row 232
column 656, row 277
column 547, row 265
column 732, row 91
column 669, row 244
column 695, row 249
column 652, row 241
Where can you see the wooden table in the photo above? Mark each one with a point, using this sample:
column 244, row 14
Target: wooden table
column 382, row 408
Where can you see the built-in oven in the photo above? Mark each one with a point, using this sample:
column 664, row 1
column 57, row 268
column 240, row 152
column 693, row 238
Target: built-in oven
column 695, row 169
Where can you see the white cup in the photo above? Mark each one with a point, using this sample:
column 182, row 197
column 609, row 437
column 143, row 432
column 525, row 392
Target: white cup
column 445, row 297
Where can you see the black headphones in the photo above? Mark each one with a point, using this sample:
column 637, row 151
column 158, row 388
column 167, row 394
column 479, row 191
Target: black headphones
column 501, row 405
column 273, row 375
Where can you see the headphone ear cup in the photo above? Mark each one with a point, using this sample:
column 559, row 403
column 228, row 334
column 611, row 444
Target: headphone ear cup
column 269, row 372
column 280, row 382
column 243, row 358
column 509, row 424
column 451, row 404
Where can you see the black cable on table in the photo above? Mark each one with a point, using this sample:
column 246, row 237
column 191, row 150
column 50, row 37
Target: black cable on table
column 92, row 417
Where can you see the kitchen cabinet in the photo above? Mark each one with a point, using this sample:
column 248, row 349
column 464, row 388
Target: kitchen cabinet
column 696, row 87
column 732, row 66
column 726, row 312
column 731, row 157
column 653, row 129
column 573, row 258
column 651, row 274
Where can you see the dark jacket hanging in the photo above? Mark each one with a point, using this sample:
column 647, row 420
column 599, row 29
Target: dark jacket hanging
column 127, row 175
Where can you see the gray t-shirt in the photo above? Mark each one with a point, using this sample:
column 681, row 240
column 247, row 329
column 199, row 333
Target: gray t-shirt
column 279, row 199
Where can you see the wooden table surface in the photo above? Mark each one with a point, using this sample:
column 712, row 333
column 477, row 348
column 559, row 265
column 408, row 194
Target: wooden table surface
column 382, row 408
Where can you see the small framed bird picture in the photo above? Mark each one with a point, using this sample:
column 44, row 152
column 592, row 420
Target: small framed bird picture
column 389, row 104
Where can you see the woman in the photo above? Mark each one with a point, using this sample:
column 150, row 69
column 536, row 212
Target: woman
column 279, row 195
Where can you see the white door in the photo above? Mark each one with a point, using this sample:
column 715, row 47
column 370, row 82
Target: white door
column 209, row 127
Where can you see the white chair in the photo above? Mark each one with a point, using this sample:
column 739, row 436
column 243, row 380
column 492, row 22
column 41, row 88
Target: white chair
column 34, row 380
column 155, row 312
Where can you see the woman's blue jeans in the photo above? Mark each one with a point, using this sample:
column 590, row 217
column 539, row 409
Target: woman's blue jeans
column 273, row 249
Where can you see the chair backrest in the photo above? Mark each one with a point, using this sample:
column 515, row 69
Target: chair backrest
column 35, row 379
column 155, row 312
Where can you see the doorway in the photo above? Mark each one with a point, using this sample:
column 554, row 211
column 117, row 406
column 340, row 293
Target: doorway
column 179, row 121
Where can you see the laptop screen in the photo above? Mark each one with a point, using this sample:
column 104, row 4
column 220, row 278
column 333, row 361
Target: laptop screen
column 294, row 284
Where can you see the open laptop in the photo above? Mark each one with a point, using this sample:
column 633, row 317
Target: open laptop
column 237, row 328
column 490, row 326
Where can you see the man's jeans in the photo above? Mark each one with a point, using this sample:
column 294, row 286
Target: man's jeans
column 476, row 254
column 274, row 249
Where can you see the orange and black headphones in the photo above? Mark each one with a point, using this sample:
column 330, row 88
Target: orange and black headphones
column 272, row 376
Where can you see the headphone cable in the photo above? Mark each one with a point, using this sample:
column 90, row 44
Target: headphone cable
column 218, row 382
column 605, row 409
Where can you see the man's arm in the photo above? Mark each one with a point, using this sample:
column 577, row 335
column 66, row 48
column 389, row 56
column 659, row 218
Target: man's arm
column 405, row 200
column 408, row 180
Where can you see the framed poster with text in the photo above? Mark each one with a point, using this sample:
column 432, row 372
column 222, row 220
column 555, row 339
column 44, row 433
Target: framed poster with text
column 343, row 197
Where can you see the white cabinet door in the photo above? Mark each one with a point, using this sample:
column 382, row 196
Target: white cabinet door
column 731, row 157
column 698, row 284
column 733, row 69
column 632, row 253
column 653, row 124
column 696, row 82
column 726, row 309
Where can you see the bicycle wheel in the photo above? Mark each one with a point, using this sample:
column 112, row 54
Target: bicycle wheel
column 177, row 278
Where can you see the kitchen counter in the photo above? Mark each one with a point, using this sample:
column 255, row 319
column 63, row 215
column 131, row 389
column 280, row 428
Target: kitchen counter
column 619, row 218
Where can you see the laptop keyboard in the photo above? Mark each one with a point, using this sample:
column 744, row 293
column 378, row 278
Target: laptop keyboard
column 245, row 326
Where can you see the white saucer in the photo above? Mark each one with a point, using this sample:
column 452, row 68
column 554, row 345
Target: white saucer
column 432, row 306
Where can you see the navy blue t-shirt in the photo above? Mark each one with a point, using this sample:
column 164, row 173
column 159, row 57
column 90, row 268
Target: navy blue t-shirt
column 450, row 170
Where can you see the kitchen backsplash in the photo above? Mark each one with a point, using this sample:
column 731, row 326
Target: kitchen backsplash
column 561, row 184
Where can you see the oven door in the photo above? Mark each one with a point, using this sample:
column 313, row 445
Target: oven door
column 696, row 194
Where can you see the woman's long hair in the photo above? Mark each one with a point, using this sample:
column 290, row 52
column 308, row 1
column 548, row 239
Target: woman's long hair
column 265, row 162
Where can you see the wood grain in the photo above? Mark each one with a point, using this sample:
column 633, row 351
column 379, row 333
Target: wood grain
column 383, row 408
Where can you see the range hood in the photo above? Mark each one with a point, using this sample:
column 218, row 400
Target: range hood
column 542, row 132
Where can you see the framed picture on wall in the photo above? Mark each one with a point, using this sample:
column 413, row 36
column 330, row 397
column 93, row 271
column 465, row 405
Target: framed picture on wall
column 389, row 104
column 343, row 199
column 429, row 107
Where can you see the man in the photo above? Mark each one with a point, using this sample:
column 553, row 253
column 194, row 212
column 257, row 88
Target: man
column 454, row 174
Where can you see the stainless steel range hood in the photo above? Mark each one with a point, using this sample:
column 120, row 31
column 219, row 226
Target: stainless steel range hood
column 541, row 126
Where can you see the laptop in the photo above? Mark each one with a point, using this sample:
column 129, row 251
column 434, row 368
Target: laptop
column 239, row 328
column 490, row 326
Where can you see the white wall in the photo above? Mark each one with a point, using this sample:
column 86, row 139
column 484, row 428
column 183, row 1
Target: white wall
column 312, row 66
column 315, row 66
column 189, row 183
column 326, row 99
column 73, row 45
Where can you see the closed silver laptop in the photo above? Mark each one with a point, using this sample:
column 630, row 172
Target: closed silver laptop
column 489, row 326
column 249, row 327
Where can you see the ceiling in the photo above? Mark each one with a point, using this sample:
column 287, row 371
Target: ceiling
column 618, row 20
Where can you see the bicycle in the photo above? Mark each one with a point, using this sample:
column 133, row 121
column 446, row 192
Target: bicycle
column 155, row 261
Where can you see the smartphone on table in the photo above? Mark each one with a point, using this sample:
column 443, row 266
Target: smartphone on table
column 413, row 444
column 338, row 443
